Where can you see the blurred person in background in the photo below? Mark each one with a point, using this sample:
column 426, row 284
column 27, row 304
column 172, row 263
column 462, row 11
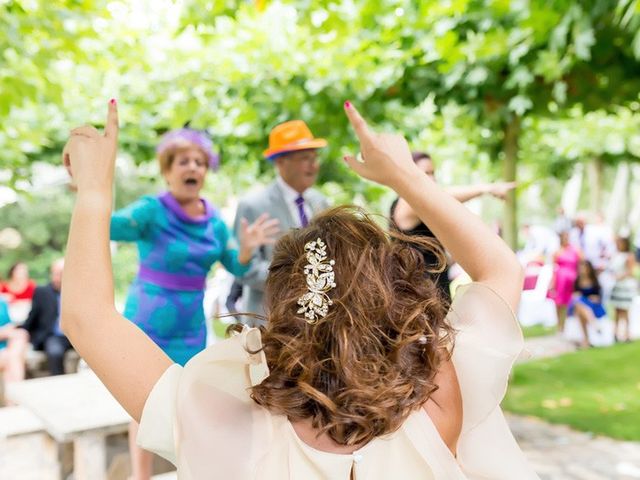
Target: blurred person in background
column 13, row 347
column 18, row 291
column 625, row 288
column 587, row 304
column 406, row 220
column 43, row 321
column 179, row 236
column 290, row 199
column 566, row 262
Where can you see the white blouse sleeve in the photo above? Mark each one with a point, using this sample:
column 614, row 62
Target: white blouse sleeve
column 157, row 425
column 487, row 344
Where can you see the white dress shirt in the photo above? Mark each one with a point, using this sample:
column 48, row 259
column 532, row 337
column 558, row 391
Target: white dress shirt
column 290, row 196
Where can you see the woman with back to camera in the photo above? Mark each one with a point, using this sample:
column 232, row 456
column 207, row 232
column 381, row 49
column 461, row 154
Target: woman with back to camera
column 357, row 373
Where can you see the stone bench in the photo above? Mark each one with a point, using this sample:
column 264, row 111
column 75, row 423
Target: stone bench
column 26, row 450
column 74, row 408
column 36, row 363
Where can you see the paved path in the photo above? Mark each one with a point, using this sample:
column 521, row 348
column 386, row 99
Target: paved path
column 544, row 347
column 559, row 453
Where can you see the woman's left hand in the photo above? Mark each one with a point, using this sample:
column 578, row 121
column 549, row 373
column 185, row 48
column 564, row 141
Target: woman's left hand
column 261, row 232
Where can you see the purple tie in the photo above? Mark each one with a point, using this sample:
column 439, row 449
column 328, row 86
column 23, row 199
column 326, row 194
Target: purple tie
column 304, row 221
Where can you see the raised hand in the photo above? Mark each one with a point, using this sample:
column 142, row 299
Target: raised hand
column 89, row 156
column 261, row 232
column 385, row 157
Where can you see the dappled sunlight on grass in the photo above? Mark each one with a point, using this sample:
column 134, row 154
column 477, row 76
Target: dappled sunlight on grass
column 596, row 390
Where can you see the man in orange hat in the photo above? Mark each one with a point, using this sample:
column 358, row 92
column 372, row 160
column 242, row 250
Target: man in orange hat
column 290, row 198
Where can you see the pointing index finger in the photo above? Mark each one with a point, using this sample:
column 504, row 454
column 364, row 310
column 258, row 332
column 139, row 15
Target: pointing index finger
column 359, row 124
column 111, row 127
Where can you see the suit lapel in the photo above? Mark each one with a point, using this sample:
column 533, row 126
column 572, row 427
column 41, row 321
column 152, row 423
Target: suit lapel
column 312, row 204
column 280, row 207
column 315, row 203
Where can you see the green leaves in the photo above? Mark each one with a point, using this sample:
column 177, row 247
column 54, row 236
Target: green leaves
column 238, row 68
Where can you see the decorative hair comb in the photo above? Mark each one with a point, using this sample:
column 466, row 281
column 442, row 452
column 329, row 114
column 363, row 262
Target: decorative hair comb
column 320, row 279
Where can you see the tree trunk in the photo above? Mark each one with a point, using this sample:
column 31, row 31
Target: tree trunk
column 510, row 146
column 618, row 205
column 627, row 197
column 594, row 170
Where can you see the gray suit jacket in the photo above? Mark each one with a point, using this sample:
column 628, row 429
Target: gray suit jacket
column 270, row 200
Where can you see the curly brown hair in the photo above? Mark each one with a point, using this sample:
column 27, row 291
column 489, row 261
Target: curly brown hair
column 361, row 370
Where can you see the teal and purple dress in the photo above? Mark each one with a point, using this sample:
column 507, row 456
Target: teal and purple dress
column 176, row 252
column 4, row 320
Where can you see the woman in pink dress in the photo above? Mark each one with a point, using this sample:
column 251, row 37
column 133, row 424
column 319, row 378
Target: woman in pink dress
column 566, row 261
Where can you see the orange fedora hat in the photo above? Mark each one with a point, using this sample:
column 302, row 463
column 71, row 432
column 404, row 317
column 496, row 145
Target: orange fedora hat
column 290, row 137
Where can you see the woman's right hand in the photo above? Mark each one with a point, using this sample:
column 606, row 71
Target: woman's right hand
column 385, row 157
column 89, row 156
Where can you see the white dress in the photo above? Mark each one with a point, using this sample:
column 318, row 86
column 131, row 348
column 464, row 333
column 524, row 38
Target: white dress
column 201, row 418
column 626, row 288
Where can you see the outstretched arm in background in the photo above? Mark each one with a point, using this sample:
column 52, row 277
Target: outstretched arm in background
column 406, row 218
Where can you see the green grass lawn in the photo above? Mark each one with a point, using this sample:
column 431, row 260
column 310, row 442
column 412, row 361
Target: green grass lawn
column 595, row 390
column 537, row 331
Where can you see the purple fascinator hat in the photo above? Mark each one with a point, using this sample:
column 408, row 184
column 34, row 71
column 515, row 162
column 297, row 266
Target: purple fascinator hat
column 196, row 137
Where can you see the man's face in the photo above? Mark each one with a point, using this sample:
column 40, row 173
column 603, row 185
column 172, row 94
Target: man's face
column 56, row 274
column 299, row 169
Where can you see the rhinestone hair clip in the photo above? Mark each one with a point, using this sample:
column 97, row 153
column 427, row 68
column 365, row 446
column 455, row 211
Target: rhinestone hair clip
column 320, row 279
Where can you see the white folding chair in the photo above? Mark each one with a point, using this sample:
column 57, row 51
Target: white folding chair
column 535, row 308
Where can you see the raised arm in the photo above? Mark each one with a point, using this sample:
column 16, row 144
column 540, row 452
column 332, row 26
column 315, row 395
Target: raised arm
column 89, row 317
column 482, row 254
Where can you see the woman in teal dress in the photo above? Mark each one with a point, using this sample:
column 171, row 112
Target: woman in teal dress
column 180, row 236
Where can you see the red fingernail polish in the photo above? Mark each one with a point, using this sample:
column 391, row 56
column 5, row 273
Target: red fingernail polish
column 347, row 104
column 112, row 101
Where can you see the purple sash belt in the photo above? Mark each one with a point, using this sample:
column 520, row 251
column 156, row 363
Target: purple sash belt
column 172, row 281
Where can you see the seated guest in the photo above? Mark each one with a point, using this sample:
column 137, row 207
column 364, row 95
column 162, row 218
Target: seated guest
column 18, row 291
column 13, row 345
column 18, row 285
column 587, row 305
column 43, row 322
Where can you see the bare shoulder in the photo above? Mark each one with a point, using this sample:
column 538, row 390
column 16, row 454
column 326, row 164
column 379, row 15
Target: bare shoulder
column 445, row 405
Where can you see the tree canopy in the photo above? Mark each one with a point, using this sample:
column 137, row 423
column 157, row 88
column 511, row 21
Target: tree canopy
column 491, row 84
